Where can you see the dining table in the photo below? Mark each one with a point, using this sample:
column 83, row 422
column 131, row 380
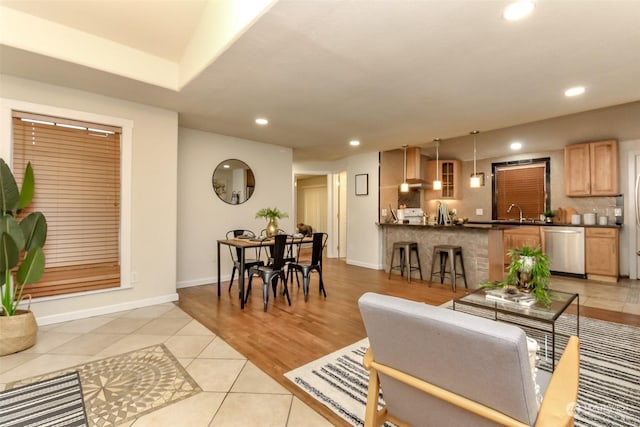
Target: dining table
column 243, row 243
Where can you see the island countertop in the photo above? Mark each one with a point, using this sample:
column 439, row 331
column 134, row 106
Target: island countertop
column 468, row 225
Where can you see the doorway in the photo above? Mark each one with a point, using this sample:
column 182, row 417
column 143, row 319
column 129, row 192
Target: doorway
column 321, row 201
column 311, row 204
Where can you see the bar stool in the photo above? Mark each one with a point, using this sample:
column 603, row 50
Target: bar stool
column 452, row 253
column 405, row 250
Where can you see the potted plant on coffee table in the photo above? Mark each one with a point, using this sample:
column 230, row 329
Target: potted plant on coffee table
column 528, row 272
column 21, row 258
column 272, row 215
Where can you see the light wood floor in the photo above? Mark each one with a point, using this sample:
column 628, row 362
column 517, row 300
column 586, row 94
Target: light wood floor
column 286, row 337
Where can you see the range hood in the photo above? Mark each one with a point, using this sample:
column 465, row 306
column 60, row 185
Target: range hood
column 415, row 172
column 419, row 184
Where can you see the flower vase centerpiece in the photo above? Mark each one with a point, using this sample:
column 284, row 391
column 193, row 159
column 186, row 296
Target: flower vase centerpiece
column 272, row 215
column 528, row 272
column 22, row 237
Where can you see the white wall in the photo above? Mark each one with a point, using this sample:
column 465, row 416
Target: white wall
column 152, row 250
column 363, row 235
column 203, row 218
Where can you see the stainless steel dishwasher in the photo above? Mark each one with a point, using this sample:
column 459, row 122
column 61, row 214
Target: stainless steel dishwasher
column 565, row 248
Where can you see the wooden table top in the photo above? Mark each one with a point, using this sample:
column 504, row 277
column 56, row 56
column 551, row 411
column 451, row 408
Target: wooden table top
column 256, row 242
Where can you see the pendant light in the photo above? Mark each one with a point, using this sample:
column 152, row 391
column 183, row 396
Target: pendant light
column 404, row 187
column 475, row 179
column 437, row 184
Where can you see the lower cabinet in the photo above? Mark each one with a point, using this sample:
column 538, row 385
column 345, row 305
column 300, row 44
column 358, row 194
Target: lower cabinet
column 518, row 237
column 601, row 253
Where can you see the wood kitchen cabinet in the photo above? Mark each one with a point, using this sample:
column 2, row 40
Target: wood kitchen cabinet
column 601, row 253
column 518, row 237
column 591, row 169
column 450, row 173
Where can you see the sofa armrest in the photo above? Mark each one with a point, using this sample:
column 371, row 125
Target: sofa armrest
column 560, row 398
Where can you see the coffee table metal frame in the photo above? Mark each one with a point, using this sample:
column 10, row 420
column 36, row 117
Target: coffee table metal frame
column 537, row 312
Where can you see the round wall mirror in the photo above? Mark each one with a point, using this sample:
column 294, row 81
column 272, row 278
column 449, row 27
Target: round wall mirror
column 233, row 181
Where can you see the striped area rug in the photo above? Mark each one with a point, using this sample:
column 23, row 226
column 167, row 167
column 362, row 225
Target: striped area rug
column 609, row 389
column 54, row 402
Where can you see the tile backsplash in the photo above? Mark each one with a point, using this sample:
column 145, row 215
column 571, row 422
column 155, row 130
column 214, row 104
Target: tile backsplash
column 599, row 205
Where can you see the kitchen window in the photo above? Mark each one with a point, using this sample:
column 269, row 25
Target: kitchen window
column 524, row 183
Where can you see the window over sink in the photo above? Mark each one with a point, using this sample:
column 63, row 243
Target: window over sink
column 523, row 183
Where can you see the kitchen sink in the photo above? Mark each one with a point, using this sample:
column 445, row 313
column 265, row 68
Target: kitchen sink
column 515, row 221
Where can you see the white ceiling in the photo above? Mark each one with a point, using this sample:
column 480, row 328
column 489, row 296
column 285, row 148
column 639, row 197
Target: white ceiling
column 387, row 72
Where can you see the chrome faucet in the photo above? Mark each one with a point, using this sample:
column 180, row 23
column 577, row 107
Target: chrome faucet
column 519, row 208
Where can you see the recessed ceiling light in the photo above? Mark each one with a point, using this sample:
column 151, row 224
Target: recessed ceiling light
column 574, row 91
column 518, row 10
column 226, row 166
column 262, row 121
column 354, row 142
column 516, row 145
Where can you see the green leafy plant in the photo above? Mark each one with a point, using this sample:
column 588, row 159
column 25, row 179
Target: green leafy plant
column 21, row 241
column 549, row 214
column 528, row 270
column 271, row 213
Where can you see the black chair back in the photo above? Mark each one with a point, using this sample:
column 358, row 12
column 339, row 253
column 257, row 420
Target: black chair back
column 279, row 244
column 319, row 241
column 237, row 233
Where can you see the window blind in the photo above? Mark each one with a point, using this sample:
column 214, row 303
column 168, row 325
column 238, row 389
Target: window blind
column 522, row 185
column 77, row 187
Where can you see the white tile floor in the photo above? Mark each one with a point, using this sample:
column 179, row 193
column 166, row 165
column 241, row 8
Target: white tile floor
column 235, row 392
column 623, row 296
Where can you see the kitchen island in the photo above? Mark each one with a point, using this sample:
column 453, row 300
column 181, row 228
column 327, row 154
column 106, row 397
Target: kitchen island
column 482, row 247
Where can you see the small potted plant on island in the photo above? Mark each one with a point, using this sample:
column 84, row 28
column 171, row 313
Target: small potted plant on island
column 528, row 272
column 21, row 259
column 272, row 215
column 548, row 216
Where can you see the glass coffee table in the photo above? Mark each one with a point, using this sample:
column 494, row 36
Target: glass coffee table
column 512, row 312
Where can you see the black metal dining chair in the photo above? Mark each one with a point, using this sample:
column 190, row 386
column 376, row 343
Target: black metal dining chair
column 236, row 253
column 315, row 264
column 289, row 253
column 271, row 273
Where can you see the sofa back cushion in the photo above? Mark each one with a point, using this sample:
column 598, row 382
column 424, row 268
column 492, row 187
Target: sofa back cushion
column 480, row 359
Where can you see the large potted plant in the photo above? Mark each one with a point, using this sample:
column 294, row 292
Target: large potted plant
column 272, row 215
column 529, row 272
column 21, row 258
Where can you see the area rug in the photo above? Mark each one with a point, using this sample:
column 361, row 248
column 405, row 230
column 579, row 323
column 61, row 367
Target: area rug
column 609, row 389
column 124, row 387
column 53, row 402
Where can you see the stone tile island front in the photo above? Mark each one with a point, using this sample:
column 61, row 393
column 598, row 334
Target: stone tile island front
column 482, row 247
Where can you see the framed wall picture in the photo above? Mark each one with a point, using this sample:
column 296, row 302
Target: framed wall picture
column 362, row 184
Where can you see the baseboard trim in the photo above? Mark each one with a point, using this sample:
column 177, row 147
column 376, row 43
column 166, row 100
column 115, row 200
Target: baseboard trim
column 364, row 264
column 202, row 281
column 105, row 309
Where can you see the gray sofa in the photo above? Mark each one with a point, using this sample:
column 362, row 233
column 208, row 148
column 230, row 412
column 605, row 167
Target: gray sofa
column 438, row 367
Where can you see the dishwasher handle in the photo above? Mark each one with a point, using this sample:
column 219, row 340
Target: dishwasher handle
column 563, row 231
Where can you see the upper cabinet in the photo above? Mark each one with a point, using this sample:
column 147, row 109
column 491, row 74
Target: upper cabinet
column 591, row 169
column 450, row 173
